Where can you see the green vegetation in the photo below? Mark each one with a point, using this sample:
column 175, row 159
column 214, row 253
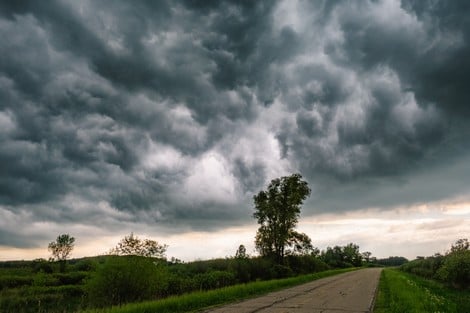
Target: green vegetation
column 203, row 299
column 136, row 277
column 126, row 279
column 403, row 292
column 61, row 249
column 40, row 286
column 137, row 270
column 390, row 261
column 133, row 245
column 342, row 257
column 277, row 211
column 452, row 269
column 439, row 283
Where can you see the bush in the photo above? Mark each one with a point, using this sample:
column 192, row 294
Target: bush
column 281, row 271
column 14, row 281
column 41, row 265
column 306, row 264
column 42, row 299
column 425, row 267
column 73, row 278
column 456, row 269
column 242, row 269
column 42, row 279
column 178, row 284
column 123, row 279
column 214, row 279
column 85, row 265
column 260, row 268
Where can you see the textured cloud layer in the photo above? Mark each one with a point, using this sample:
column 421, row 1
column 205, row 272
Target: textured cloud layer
column 174, row 114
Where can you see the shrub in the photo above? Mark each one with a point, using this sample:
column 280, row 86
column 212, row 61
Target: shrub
column 126, row 279
column 14, row 281
column 73, row 278
column 242, row 269
column 425, row 267
column 85, row 265
column 306, row 264
column 214, row 279
column 281, row 271
column 260, row 268
column 42, row 265
column 42, row 299
column 178, row 284
column 42, row 279
column 456, row 269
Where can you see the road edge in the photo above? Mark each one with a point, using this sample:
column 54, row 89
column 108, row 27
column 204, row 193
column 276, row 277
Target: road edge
column 376, row 292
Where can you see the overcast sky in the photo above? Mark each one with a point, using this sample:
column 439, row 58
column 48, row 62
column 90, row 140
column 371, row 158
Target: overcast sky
column 165, row 118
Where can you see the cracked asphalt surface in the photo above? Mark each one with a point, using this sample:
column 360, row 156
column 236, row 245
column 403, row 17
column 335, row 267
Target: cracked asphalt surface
column 345, row 293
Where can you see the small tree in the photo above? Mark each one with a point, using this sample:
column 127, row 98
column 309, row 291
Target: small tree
column 277, row 210
column 241, row 253
column 366, row 256
column 133, row 245
column 61, row 249
column 460, row 245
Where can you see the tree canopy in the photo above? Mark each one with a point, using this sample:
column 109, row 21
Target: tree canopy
column 133, row 245
column 61, row 247
column 277, row 210
column 345, row 256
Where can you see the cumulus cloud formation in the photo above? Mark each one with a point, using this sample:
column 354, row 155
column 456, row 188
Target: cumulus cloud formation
column 175, row 114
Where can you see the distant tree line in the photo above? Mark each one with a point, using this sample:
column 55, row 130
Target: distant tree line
column 391, row 261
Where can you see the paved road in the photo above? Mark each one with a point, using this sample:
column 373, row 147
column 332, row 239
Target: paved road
column 345, row 293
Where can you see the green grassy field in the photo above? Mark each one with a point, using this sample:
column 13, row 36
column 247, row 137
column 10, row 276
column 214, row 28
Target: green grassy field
column 99, row 282
column 401, row 292
column 196, row 301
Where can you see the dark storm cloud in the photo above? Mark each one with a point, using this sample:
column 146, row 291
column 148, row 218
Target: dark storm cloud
column 411, row 89
column 14, row 239
column 405, row 111
column 86, row 87
column 172, row 113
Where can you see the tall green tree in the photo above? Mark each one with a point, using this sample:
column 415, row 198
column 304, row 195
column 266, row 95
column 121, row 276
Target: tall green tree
column 277, row 211
column 61, row 249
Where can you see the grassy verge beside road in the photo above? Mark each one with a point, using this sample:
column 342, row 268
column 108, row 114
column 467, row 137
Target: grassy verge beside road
column 199, row 300
column 401, row 292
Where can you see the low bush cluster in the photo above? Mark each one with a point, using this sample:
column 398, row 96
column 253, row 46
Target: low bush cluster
column 40, row 286
column 127, row 279
column 452, row 268
column 14, row 281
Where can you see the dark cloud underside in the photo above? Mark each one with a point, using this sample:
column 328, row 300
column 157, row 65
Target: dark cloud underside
column 176, row 113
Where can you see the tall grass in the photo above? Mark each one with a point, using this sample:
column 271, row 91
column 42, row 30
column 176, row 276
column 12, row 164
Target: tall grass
column 401, row 292
column 204, row 299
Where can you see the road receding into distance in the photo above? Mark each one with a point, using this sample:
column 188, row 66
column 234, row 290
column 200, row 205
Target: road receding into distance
column 344, row 293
